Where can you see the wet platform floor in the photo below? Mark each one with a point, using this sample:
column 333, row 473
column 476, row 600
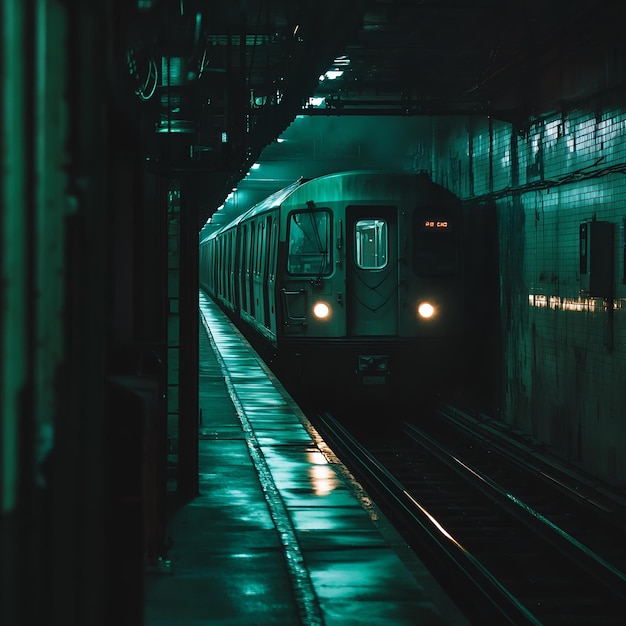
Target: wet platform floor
column 280, row 533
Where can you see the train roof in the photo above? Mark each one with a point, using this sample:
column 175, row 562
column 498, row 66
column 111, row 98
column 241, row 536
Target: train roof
column 273, row 200
column 278, row 197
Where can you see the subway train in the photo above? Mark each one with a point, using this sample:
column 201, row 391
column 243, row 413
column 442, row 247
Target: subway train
column 352, row 282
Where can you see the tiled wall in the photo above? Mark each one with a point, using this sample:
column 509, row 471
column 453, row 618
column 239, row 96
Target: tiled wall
column 563, row 374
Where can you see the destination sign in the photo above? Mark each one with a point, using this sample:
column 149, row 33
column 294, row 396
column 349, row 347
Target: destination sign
column 436, row 224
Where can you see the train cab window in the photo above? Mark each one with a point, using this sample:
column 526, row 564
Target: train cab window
column 434, row 246
column 371, row 244
column 309, row 239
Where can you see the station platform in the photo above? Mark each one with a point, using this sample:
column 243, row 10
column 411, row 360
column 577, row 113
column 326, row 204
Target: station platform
column 280, row 533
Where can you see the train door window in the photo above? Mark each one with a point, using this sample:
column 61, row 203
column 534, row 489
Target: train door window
column 272, row 247
column 309, row 236
column 254, row 252
column 371, row 244
column 434, row 246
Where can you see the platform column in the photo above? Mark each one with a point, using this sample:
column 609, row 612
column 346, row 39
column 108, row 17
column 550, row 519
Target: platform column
column 188, row 334
column 182, row 336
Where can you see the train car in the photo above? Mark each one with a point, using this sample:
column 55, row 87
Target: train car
column 354, row 279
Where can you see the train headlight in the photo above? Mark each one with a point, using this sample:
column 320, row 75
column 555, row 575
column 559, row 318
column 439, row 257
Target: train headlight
column 426, row 310
column 321, row 310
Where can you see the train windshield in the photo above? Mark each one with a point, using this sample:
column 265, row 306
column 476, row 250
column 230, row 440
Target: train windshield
column 309, row 239
column 434, row 246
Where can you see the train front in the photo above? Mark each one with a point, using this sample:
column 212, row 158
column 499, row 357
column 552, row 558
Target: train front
column 371, row 299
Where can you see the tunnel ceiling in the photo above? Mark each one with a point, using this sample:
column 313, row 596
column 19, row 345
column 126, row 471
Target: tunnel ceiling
column 241, row 71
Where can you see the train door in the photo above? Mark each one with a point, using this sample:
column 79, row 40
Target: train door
column 259, row 273
column 233, row 269
column 228, row 268
column 250, row 268
column 217, row 282
column 242, row 269
column 372, row 270
column 269, row 272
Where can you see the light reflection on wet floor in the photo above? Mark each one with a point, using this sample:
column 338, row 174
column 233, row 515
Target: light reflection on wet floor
column 351, row 571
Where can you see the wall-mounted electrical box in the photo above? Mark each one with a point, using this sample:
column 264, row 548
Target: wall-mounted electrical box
column 596, row 258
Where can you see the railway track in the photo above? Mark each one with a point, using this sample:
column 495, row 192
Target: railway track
column 514, row 540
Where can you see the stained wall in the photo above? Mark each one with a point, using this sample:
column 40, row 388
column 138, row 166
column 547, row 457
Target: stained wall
column 562, row 360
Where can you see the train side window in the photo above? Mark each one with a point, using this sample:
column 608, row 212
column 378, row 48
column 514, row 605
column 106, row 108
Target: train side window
column 309, row 236
column 371, row 244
